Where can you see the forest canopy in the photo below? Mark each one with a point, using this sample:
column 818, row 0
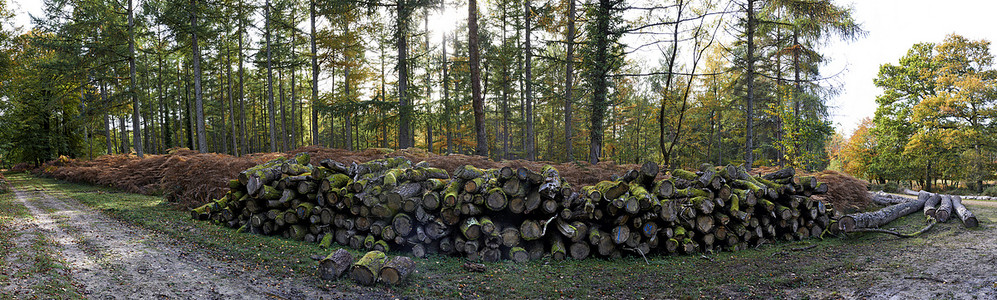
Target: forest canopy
column 680, row 82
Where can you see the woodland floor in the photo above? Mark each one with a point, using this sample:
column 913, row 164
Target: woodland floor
column 61, row 240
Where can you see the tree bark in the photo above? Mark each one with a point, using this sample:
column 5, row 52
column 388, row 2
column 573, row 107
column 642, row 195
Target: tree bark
column 136, row 114
column 231, row 102
column 530, row 139
column 202, row 139
column 366, row 270
column 396, row 270
column 967, row 217
column 569, row 61
column 270, row 104
column 944, row 209
column 242, row 95
column 750, row 78
column 334, row 265
column 880, row 217
column 314, row 102
column 475, row 60
column 404, row 103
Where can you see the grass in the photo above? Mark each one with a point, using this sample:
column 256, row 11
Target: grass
column 10, row 211
column 765, row 272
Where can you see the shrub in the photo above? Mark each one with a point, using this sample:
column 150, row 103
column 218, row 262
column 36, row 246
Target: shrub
column 990, row 191
column 4, row 185
column 892, row 187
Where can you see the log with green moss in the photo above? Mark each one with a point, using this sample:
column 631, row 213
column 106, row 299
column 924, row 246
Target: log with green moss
column 366, row 270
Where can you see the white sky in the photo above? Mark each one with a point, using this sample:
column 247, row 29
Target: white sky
column 893, row 27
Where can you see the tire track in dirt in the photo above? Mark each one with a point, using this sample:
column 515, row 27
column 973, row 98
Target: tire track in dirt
column 112, row 260
column 31, row 248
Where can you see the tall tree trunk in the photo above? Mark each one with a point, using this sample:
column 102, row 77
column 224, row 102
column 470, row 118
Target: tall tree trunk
column 665, row 154
column 223, row 143
column 283, row 112
column 348, row 120
column 242, row 95
column 505, row 90
column 599, row 82
column 107, row 120
column 163, row 106
column 292, row 135
column 270, row 104
column 189, row 107
column 231, row 102
column 475, row 60
column 404, row 103
column 446, row 98
column 202, row 142
column 569, row 61
column 295, row 121
column 796, row 75
column 125, row 148
column 136, row 114
column 314, row 103
column 530, row 137
column 429, row 86
column 750, row 78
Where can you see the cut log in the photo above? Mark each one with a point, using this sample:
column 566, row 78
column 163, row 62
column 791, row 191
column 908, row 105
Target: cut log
column 366, row 270
column 579, row 250
column 395, row 271
column 496, row 200
column 518, row 254
column 557, row 249
column 944, row 209
column 967, row 217
column 648, row 171
column 471, row 229
column 335, row 264
column 530, row 230
column 621, row 234
column 931, row 204
column 781, row 174
column 849, row 223
column 886, row 199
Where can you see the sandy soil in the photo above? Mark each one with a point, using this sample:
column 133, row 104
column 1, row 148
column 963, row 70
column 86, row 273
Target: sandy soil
column 111, row 260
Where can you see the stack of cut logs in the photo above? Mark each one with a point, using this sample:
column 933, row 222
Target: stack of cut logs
column 393, row 205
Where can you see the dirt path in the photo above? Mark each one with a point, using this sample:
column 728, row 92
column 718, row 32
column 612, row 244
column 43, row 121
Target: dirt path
column 108, row 259
column 948, row 262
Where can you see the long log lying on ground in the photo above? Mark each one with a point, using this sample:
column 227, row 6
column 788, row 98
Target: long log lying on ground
column 877, row 218
column 963, row 213
column 971, row 197
column 887, row 199
column 944, row 209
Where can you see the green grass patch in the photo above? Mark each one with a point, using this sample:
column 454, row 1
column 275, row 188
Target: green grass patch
column 764, row 272
column 9, row 212
column 56, row 281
